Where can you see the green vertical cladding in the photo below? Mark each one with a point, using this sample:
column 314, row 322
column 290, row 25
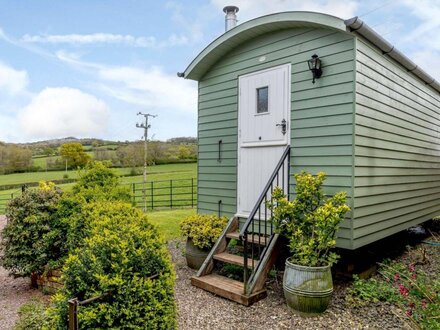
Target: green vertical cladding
column 321, row 113
column 397, row 148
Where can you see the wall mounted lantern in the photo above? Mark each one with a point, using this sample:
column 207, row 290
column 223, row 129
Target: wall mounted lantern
column 315, row 66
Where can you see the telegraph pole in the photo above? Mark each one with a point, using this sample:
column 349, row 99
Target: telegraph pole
column 145, row 126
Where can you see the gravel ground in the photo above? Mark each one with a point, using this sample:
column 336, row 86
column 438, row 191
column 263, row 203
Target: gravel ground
column 199, row 309
column 13, row 293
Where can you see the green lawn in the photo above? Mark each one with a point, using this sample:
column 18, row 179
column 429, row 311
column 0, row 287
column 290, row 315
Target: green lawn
column 157, row 172
column 168, row 221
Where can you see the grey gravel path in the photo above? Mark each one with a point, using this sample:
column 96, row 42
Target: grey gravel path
column 202, row 310
column 13, row 293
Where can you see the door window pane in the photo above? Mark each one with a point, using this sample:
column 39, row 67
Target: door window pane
column 263, row 99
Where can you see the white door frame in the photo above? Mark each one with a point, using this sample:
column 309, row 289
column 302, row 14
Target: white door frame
column 287, row 104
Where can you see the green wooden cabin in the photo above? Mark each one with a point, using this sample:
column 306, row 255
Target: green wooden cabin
column 371, row 121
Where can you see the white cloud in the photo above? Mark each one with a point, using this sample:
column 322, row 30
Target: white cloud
column 193, row 24
column 253, row 8
column 106, row 38
column 428, row 61
column 428, row 11
column 63, row 111
column 423, row 42
column 149, row 87
column 12, row 81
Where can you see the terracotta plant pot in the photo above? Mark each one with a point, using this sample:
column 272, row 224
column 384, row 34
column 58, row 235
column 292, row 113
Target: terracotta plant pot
column 307, row 290
column 194, row 256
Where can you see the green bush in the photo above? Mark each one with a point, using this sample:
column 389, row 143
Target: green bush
column 311, row 221
column 33, row 237
column 203, row 230
column 98, row 182
column 123, row 254
column 45, row 225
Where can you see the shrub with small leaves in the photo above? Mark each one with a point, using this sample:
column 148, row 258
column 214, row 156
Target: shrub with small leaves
column 98, row 182
column 311, row 221
column 33, row 237
column 123, row 256
column 203, row 230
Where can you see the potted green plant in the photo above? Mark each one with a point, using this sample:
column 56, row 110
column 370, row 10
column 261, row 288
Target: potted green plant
column 201, row 232
column 310, row 223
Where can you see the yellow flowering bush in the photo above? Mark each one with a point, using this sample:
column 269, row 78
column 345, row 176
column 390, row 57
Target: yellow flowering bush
column 203, row 230
column 311, row 221
column 46, row 186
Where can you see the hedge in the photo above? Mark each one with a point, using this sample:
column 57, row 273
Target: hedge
column 125, row 256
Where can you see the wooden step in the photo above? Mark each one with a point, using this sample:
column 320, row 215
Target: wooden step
column 227, row 288
column 234, row 259
column 256, row 239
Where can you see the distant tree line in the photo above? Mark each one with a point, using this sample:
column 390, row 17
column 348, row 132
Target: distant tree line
column 14, row 159
column 74, row 154
column 158, row 152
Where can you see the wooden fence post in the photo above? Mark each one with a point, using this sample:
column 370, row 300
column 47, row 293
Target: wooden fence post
column 171, row 193
column 133, row 188
column 152, row 195
column 192, row 192
column 73, row 314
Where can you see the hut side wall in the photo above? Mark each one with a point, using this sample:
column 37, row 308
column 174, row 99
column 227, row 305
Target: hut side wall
column 397, row 148
column 322, row 117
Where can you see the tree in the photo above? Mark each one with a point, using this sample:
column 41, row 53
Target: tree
column 104, row 155
column 74, row 154
column 131, row 155
column 48, row 151
column 14, row 159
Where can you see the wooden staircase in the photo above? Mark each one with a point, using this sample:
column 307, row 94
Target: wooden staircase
column 208, row 279
column 259, row 247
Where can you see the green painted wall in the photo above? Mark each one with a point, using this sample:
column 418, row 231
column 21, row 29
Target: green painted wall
column 397, row 148
column 322, row 117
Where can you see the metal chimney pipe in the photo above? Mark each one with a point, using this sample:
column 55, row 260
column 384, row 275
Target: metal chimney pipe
column 230, row 17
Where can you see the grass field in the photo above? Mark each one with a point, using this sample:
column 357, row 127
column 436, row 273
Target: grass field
column 168, row 221
column 155, row 173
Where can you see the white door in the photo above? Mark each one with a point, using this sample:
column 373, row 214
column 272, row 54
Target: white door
column 264, row 105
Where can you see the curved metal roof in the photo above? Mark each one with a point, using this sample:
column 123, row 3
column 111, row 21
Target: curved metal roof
column 253, row 28
column 264, row 24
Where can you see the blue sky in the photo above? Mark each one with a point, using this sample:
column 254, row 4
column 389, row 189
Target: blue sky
column 85, row 68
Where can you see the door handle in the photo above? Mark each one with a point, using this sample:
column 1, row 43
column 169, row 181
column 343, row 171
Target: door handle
column 283, row 125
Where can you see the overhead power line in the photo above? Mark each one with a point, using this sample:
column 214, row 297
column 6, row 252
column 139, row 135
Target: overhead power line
column 376, row 9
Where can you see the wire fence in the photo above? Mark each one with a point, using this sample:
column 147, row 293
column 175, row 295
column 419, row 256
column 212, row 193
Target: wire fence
column 161, row 194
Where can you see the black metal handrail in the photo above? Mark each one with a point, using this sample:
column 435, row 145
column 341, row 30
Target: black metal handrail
column 252, row 248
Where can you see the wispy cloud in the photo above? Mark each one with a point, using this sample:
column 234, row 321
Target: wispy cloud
column 13, row 41
column 428, row 12
column 106, row 38
column 423, row 41
column 150, row 87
